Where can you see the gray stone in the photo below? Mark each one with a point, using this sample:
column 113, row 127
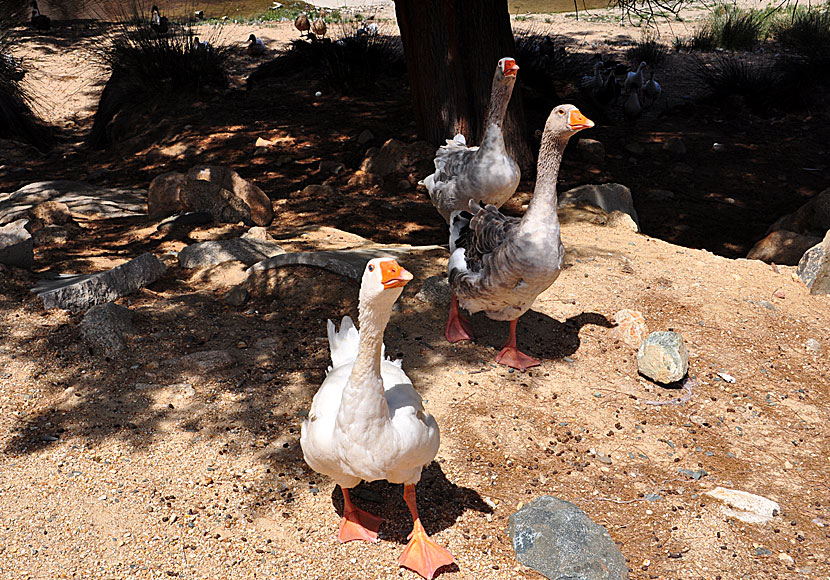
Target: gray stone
column 246, row 250
column 696, row 474
column 395, row 157
column 16, row 245
column 592, row 151
column 435, row 290
column 226, row 196
column 186, row 220
column 78, row 293
column 814, row 267
column 782, row 247
column 607, row 196
column 104, row 327
column 236, row 296
column 745, row 506
column 675, row 146
column 209, row 361
column 51, row 234
column 365, row 136
column 663, row 357
column 811, row 219
column 81, row 198
column 557, row 539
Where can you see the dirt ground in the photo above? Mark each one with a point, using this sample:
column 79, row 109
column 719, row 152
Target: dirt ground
column 142, row 466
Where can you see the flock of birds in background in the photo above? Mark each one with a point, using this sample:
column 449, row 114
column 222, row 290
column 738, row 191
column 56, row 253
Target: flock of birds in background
column 611, row 80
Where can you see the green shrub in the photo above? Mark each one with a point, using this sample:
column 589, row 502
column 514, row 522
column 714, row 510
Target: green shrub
column 763, row 86
column 648, row 49
column 732, row 28
column 805, row 31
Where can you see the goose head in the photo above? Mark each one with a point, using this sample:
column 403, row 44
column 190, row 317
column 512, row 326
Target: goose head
column 508, row 68
column 154, row 9
column 382, row 283
column 252, row 38
column 567, row 120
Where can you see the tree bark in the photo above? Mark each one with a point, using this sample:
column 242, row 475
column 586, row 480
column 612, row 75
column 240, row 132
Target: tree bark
column 451, row 48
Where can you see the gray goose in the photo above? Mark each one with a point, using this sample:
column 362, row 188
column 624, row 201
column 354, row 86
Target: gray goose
column 500, row 264
column 486, row 173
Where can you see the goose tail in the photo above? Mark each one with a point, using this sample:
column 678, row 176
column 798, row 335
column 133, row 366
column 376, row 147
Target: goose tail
column 343, row 343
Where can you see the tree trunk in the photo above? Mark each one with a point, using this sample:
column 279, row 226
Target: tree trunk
column 452, row 47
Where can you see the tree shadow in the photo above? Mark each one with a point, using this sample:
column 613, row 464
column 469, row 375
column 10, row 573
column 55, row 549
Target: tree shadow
column 440, row 503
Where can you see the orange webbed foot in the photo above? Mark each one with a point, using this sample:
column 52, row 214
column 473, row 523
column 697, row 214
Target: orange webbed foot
column 513, row 357
column 422, row 555
column 357, row 524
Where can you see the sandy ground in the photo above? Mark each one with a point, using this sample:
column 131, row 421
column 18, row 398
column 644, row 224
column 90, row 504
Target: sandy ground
column 141, row 466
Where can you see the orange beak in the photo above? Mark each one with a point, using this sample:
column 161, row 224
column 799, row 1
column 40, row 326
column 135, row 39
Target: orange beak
column 393, row 275
column 510, row 68
column 579, row 121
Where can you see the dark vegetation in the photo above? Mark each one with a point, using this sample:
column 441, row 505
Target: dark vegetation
column 17, row 121
column 548, row 70
column 649, row 50
column 350, row 65
column 144, row 63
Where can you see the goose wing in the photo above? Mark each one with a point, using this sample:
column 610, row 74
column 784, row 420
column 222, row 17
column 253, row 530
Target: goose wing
column 482, row 233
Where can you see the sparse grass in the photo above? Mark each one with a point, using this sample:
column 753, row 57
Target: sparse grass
column 17, row 121
column 290, row 9
column 648, row 49
column 545, row 64
column 351, row 64
column 732, row 28
column 763, row 86
column 805, row 31
column 145, row 66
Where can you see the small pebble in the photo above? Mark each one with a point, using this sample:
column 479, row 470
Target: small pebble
column 813, row 345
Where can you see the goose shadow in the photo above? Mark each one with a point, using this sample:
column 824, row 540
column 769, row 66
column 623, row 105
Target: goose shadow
column 538, row 334
column 440, row 503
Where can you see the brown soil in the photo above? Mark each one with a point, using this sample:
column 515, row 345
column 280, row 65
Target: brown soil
column 143, row 467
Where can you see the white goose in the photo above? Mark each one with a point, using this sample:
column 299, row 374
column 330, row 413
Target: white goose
column 634, row 80
column 255, row 46
column 500, row 264
column 367, row 422
column 486, row 173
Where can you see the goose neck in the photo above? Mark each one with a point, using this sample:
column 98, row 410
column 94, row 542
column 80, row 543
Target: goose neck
column 542, row 205
column 499, row 99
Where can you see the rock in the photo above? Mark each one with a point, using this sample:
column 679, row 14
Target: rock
column 330, row 166
column 265, row 143
column 365, row 136
column 395, row 157
column 164, row 195
column 81, row 198
column 814, row 267
column 51, row 234
column 52, row 213
column 811, row 219
column 675, row 146
column 436, row 291
column 592, row 151
column 319, row 191
column 222, row 275
column 209, row 361
column 104, row 327
column 634, row 148
column 619, row 219
column 78, row 293
column 582, row 211
column 246, row 250
column 748, row 507
column 663, row 357
column 786, row 559
column 236, row 296
column 631, row 327
column 812, row 345
column 607, row 196
column 17, row 245
column 226, row 196
column 696, row 474
column 257, row 233
column 719, row 147
column 557, row 539
column 782, row 247
column 190, row 220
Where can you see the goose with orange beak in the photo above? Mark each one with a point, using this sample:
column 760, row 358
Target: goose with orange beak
column 500, row 264
column 367, row 422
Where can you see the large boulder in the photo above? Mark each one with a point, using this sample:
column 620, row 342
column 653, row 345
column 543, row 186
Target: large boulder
column 782, row 247
column 814, row 267
column 225, row 195
column 558, row 540
column 811, row 219
column 246, row 250
column 607, row 196
column 104, row 327
column 163, row 197
column 16, row 245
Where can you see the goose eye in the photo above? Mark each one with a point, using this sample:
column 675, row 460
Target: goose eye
column 560, row 112
column 371, row 268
